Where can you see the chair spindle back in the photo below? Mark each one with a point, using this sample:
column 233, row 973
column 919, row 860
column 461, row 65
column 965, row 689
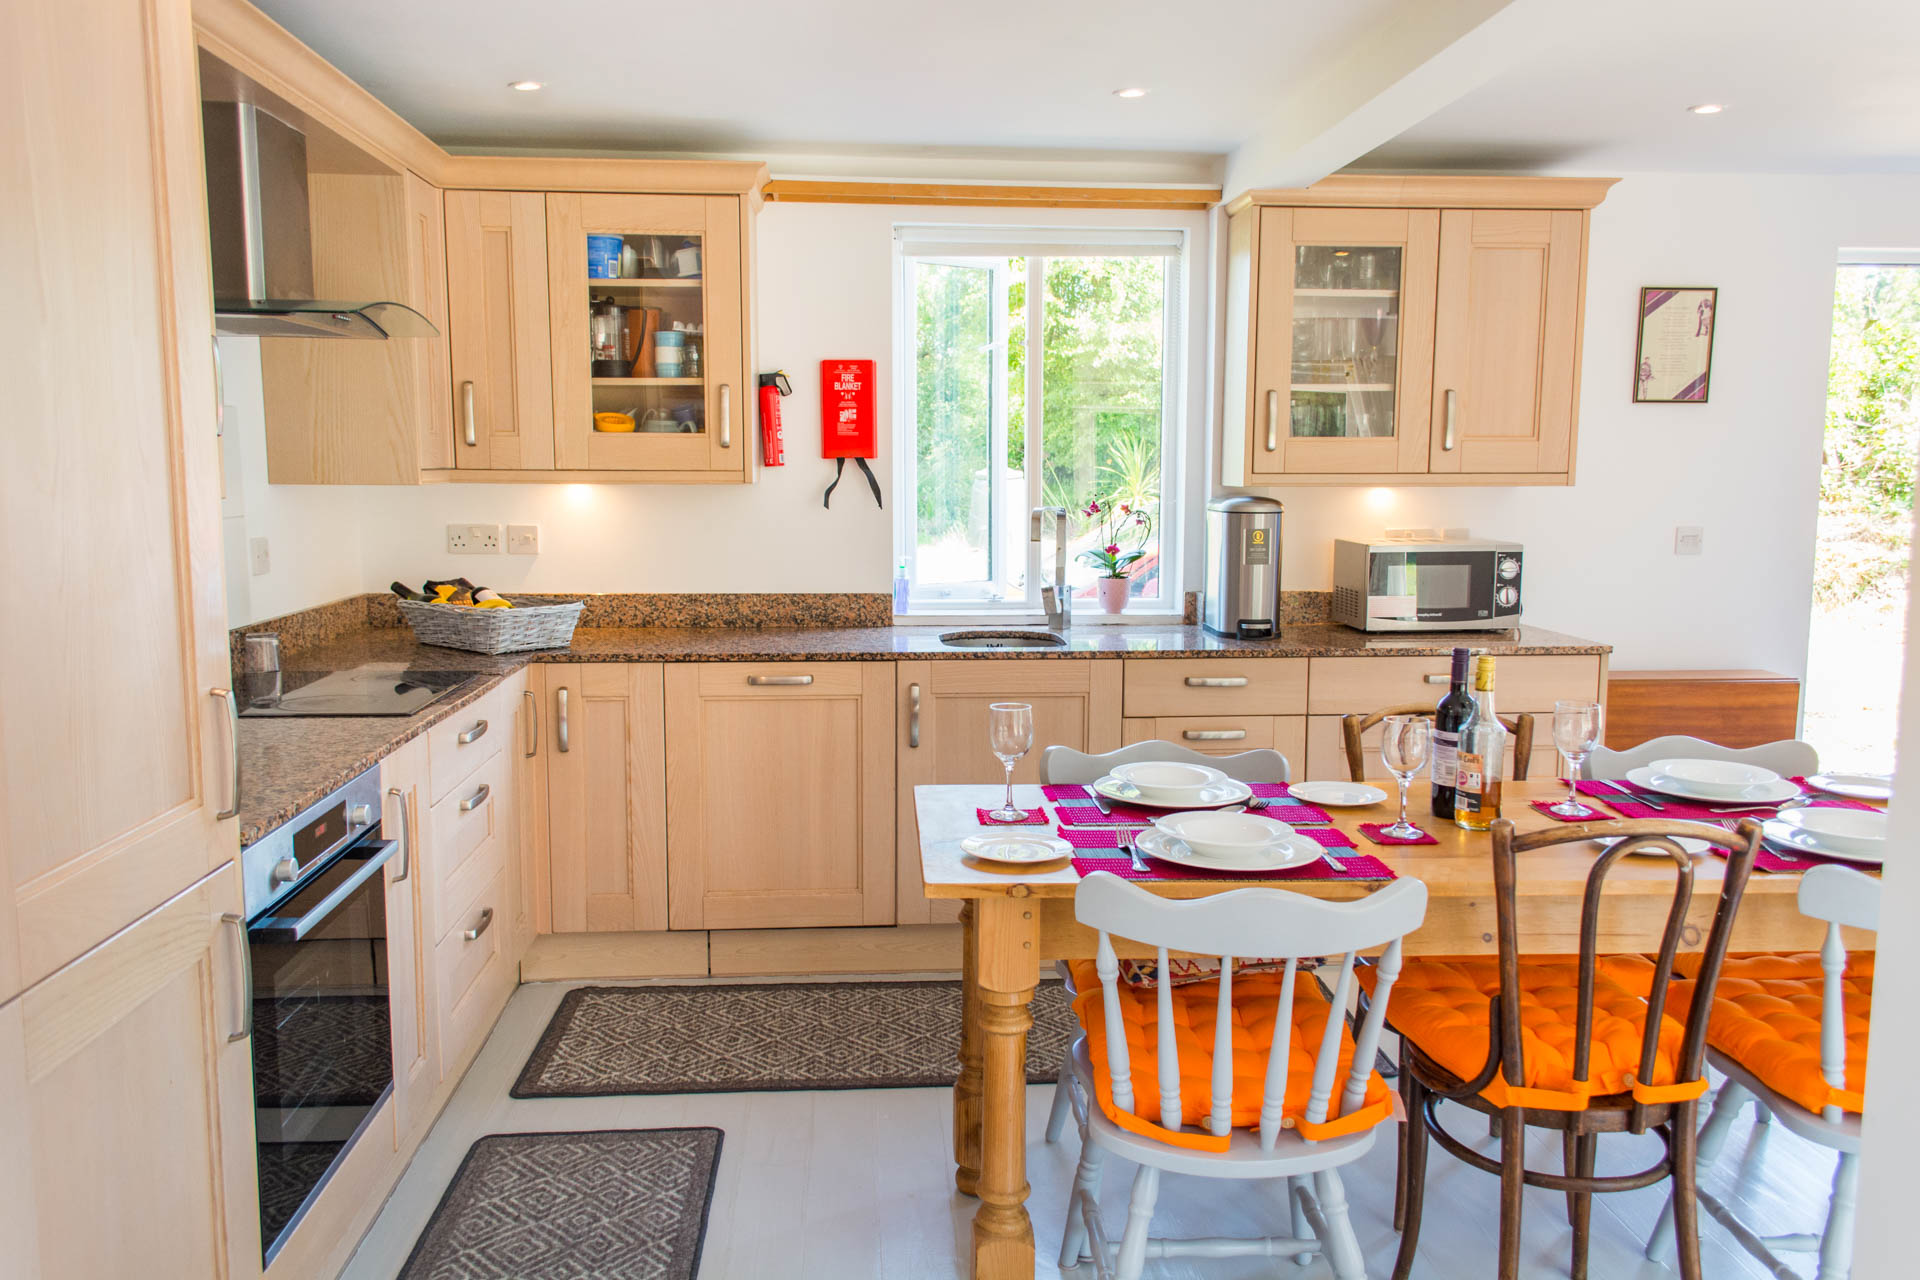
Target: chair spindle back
column 1840, row 896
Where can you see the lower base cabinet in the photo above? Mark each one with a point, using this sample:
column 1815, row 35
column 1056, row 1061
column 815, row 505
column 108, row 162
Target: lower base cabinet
column 606, row 797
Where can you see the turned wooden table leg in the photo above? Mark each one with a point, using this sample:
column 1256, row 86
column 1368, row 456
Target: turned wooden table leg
column 966, row 1089
column 1006, row 968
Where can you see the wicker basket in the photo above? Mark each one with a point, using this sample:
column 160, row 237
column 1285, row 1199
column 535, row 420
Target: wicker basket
column 453, row 626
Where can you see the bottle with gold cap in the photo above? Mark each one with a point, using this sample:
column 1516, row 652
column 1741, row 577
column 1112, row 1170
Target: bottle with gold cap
column 1482, row 756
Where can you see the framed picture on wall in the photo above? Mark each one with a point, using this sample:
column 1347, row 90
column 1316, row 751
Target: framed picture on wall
column 1673, row 358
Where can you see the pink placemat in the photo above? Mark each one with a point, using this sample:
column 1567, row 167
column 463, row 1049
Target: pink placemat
column 1076, row 807
column 1595, row 812
column 1359, row 866
column 1035, row 817
column 1673, row 807
column 1110, row 837
column 1377, row 832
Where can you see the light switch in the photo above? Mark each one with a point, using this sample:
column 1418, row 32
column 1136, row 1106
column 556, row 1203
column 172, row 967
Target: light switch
column 1688, row 539
column 523, row 539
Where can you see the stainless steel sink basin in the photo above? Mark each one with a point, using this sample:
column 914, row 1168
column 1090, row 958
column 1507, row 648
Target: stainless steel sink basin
column 1003, row 640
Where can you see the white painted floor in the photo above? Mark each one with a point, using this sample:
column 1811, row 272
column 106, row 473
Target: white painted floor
column 852, row 1184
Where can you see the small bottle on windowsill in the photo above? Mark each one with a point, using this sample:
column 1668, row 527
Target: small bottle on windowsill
column 900, row 588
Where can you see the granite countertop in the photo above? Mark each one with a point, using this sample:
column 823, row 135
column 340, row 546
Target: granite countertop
column 287, row 764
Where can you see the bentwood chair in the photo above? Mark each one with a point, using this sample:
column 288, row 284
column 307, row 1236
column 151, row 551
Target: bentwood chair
column 1543, row 1044
column 1789, row 758
column 1354, row 726
column 1250, row 1075
column 1790, row 1034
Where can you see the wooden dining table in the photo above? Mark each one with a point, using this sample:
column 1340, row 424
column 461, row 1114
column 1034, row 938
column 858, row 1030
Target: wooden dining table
column 1015, row 920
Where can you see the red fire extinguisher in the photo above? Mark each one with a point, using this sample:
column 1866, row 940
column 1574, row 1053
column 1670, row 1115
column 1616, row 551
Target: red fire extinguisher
column 773, row 442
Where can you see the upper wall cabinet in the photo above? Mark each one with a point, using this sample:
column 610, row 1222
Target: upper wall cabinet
column 498, row 325
column 1425, row 330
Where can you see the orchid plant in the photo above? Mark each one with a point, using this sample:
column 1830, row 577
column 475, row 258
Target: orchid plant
column 1120, row 523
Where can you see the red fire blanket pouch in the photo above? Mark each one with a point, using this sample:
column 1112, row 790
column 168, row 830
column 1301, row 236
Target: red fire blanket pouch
column 846, row 420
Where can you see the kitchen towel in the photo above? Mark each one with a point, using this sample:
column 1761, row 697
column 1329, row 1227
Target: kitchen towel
column 1359, row 866
column 1377, row 832
column 1110, row 837
column 1033, row 818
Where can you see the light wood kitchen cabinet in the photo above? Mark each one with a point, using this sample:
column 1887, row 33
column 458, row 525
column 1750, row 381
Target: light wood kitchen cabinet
column 126, row 1102
column 414, row 1015
column 942, row 716
column 694, row 254
column 606, row 796
column 116, row 745
column 1227, row 735
column 532, row 914
column 499, row 326
column 1425, row 329
column 780, row 794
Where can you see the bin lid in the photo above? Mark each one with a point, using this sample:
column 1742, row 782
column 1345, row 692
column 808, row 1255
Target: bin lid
column 1245, row 504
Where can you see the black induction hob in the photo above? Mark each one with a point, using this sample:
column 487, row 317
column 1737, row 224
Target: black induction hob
column 376, row 689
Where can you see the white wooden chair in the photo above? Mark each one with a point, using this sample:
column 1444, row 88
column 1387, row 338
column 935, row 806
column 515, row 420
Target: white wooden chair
column 1243, row 922
column 1064, row 766
column 1840, row 896
column 1789, row 757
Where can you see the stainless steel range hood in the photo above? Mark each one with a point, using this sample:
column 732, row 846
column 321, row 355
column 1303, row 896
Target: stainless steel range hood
column 257, row 217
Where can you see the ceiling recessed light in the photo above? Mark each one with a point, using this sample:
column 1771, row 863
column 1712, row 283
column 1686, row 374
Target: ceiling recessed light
column 1708, row 108
column 526, row 86
column 1129, row 93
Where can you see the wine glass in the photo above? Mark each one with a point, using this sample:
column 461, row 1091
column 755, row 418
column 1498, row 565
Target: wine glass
column 1403, row 749
column 1576, row 732
column 1010, row 734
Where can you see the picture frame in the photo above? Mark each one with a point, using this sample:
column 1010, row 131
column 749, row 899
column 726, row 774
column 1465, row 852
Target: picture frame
column 1673, row 351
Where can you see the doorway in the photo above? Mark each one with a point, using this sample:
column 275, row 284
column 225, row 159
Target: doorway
column 1857, row 638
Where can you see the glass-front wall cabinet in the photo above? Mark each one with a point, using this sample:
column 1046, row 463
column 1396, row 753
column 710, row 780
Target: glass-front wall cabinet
column 649, row 333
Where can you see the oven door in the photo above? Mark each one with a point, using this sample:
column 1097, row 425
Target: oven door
column 1429, row 589
column 322, row 1040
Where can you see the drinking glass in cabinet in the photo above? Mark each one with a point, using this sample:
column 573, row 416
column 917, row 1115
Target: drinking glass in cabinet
column 1326, row 266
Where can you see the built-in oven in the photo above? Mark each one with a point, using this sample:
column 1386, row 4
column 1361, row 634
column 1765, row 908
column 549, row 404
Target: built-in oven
column 322, row 1034
column 1427, row 585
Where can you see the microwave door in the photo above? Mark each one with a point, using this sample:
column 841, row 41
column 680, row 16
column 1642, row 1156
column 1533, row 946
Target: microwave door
column 1453, row 587
column 1391, row 590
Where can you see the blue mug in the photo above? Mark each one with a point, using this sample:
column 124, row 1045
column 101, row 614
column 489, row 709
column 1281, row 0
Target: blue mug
column 603, row 257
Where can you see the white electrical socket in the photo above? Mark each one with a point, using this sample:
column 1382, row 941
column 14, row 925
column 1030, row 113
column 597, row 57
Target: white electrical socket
column 257, row 552
column 1688, row 539
column 473, row 539
column 523, row 539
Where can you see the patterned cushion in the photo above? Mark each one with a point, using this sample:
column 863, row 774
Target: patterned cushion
column 1256, row 1000
column 1441, row 1006
column 1766, row 1017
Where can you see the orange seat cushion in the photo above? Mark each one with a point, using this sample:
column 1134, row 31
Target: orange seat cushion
column 1256, row 1002
column 1441, row 1006
column 1636, row 971
column 1766, row 1017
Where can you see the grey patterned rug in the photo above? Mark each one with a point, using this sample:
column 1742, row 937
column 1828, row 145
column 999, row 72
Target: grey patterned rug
column 613, row 1205
column 764, row 1036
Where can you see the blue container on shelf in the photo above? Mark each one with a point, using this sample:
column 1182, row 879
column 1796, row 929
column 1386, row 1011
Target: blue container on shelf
column 603, row 257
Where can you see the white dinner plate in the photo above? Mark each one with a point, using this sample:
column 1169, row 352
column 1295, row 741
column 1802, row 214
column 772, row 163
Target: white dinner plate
column 1687, row 843
column 1016, row 848
column 1858, row 786
column 1760, row 793
column 1728, row 778
column 1340, row 795
column 1294, row 851
column 1847, row 830
column 1227, row 791
column 1789, row 836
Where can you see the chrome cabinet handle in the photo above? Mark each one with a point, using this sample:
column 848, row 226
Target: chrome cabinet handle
column 473, row 735
column 406, row 832
column 466, row 399
column 1447, row 436
column 219, row 393
column 1437, row 679
column 726, row 416
column 1215, row 682
column 913, row 715
column 533, row 723
column 477, row 799
column 779, row 679
column 239, row 924
column 233, row 754
column 1273, row 421
column 560, row 719
column 486, row 921
column 1214, row 735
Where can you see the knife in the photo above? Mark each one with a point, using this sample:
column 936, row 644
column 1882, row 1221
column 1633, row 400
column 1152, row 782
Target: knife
column 1100, row 803
column 1648, row 801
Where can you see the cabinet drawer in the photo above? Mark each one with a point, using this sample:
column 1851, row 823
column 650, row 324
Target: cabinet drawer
column 464, row 741
column 474, row 975
column 1214, row 686
column 1525, row 682
column 1327, row 754
column 1227, row 735
column 778, row 679
column 468, row 844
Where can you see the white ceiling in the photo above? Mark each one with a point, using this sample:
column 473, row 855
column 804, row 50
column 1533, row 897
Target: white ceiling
column 728, row 75
column 1809, row 88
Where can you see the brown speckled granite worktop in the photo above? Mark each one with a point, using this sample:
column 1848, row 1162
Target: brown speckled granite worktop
column 286, row 765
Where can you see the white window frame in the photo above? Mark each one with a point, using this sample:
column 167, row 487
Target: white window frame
column 916, row 243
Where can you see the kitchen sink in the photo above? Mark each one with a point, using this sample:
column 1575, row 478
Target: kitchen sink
column 1003, row 640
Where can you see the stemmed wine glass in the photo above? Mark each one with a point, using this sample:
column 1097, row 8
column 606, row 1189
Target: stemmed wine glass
column 1403, row 749
column 1010, row 734
column 1576, row 732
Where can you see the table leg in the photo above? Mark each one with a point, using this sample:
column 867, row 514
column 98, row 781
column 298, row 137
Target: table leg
column 1006, row 968
column 966, row 1089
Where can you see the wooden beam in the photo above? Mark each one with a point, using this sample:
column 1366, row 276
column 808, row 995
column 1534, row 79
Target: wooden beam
column 990, row 195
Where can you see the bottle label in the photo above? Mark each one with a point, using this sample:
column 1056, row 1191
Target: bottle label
column 1446, row 751
column 1470, row 781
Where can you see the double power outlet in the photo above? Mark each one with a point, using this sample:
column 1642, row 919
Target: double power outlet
column 485, row 540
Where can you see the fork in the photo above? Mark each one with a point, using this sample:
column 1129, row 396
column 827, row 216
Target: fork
column 1133, row 856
